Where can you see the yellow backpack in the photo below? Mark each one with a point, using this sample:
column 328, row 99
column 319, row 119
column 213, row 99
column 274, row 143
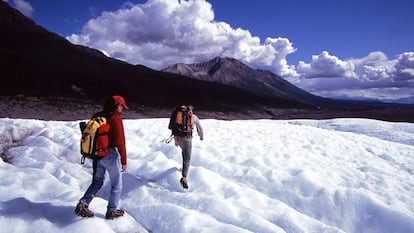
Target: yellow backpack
column 181, row 122
column 95, row 138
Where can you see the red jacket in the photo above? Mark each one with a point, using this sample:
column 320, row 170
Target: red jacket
column 116, row 133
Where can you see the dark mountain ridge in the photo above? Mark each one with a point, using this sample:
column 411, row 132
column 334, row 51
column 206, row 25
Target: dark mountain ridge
column 233, row 72
column 37, row 62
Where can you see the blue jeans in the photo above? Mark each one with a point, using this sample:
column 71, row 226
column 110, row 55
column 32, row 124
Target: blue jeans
column 112, row 164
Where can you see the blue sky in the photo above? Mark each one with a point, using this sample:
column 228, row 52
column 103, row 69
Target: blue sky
column 345, row 28
column 339, row 49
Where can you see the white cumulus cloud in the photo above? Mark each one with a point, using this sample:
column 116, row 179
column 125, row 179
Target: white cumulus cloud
column 405, row 67
column 163, row 32
column 24, row 7
column 372, row 77
column 374, row 67
column 325, row 65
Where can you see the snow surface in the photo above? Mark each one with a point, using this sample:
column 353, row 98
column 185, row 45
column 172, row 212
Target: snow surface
column 339, row 175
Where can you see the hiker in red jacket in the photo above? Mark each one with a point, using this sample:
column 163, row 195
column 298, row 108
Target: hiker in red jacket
column 115, row 162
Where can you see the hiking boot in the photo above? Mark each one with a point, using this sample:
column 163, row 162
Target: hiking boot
column 184, row 182
column 114, row 214
column 83, row 210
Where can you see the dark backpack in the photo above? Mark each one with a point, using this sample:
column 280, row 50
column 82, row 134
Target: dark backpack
column 181, row 122
column 95, row 139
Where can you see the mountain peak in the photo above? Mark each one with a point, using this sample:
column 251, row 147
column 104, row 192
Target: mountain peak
column 220, row 61
column 232, row 72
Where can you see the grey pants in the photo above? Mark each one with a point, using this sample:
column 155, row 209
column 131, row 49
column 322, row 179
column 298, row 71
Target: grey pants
column 185, row 145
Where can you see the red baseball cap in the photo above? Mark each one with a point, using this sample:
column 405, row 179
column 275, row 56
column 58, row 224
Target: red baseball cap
column 120, row 100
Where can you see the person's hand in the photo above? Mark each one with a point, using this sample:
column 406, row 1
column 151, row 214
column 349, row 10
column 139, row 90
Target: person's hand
column 124, row 167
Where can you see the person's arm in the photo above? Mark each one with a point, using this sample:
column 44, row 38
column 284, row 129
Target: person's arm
column 199, row 128
column 119, row 138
